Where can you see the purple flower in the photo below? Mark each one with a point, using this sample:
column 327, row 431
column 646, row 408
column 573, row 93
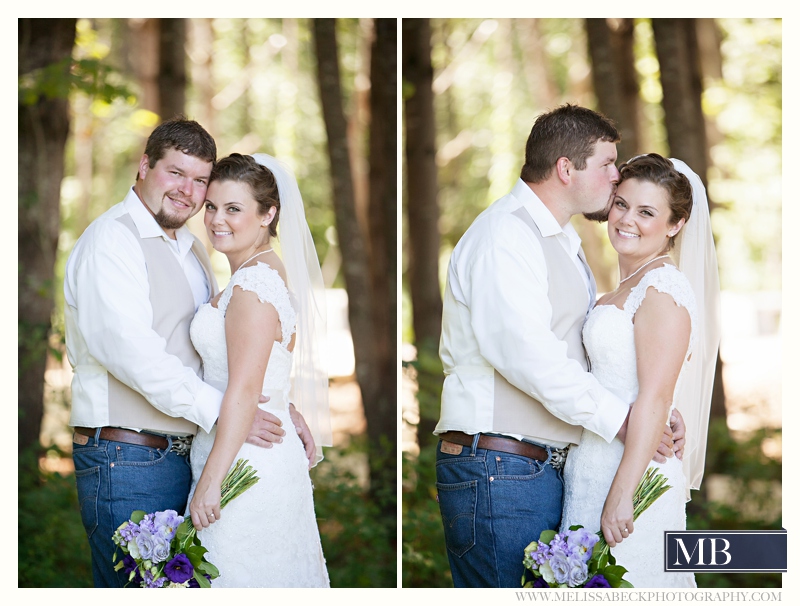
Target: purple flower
column 150, row 582
column 582, row 542
column 179, row 569
column 542, row 554
column 560, row 566
column 160, row 549
column 167, row 522
column 597, row 580
column 578, row 572
column 128, row 532
column 539, row 582
column 145, row 544
column 148, row 523
column 195, row 585
column 128, row 564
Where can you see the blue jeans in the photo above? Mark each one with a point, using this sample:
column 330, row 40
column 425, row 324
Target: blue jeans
column 114, row 480
column 493, row 505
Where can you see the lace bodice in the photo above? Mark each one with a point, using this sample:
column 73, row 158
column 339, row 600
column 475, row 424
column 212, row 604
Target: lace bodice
column 608, row 336
column 208, row 327
column 608, row 332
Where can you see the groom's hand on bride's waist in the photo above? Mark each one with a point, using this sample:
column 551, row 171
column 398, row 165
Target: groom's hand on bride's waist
column 266, row 428
column 673, row 439
column 678, row 433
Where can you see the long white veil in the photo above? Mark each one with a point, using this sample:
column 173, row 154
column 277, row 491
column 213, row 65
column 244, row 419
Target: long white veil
column 309, row 371
column 696, row 257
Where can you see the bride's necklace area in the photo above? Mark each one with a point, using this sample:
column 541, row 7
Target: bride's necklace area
column 262, row 253
column 621, row 282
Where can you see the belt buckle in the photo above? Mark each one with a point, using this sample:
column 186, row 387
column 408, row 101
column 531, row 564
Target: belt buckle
column 181, row 445
column 558, row 456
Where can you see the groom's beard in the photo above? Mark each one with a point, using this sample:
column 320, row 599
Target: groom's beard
column 601, row 216
column 168, row 222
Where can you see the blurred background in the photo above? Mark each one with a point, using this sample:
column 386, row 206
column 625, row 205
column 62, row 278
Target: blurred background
column 707, row 91
column 321, row 94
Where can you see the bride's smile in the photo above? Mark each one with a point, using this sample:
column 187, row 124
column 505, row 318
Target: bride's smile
column 233, row 222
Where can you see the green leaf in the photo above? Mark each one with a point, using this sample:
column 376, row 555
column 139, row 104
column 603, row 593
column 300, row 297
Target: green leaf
column 547, row 536
column 201, row 580
column 195, row 554
column 209, row 568
column 137, row 516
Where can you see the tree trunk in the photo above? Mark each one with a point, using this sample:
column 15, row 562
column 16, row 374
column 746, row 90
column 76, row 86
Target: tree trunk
column 202, row 40
column 43, row 129
column 423, row 219
column 355, row 264
column 681, row 81
column 171, row 67
column 144, row 60
column 614, row 78
column 382, row 416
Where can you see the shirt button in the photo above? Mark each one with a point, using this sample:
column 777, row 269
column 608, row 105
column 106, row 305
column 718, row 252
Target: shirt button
column 491, row 478
column 112, row 465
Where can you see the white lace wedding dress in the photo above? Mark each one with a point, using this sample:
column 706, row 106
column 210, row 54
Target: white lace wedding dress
column 267, row 537
column 590, row 467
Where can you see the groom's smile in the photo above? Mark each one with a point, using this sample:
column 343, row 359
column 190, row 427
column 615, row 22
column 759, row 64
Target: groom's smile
column 174, row 188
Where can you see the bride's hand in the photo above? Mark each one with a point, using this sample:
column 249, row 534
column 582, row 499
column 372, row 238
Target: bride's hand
column 616, row 521
column 205, row 505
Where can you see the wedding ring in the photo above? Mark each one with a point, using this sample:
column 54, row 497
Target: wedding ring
column 211, row 515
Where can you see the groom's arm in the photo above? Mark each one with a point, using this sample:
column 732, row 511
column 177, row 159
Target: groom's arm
column 114, row 316
column 505, row 286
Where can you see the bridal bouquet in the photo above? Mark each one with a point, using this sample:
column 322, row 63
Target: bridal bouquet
column 161, row 549
column 579, row 558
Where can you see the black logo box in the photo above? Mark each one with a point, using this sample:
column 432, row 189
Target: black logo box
column 725, row 551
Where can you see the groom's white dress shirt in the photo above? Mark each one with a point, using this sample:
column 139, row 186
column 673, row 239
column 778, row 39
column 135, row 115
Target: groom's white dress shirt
column 109, row 322
column 497, row 317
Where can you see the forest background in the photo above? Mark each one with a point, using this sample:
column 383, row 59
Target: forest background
column 319, row 94
column 708, row 91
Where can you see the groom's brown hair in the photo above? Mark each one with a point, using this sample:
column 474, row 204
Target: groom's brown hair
column 182, row 134
column 568, row 131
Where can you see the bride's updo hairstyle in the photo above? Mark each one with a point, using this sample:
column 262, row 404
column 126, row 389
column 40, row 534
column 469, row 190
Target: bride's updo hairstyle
column 660, row 171
column 263, row 187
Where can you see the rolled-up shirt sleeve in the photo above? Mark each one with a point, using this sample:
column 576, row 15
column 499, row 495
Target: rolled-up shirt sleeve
column 505, row 285
column 110, row 289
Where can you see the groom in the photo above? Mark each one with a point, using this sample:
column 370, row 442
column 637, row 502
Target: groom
column 133, row 283
column 517, row 390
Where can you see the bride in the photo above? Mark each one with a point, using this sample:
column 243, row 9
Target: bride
column 653, row 340
column 269, row 314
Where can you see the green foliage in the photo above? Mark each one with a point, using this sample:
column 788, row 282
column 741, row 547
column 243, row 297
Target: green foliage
column 58, row 80
column 752, row 489
column 359, row 547
column 52, row 549
column 425, row 561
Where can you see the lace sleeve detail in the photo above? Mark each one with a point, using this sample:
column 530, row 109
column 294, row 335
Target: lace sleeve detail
column 667, row 279
column 270, row 288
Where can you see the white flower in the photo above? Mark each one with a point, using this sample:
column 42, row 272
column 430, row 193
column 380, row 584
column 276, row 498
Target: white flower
column 547, row 572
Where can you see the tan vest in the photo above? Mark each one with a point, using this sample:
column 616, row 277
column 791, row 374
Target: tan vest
column 173, row 310
column 514, row 411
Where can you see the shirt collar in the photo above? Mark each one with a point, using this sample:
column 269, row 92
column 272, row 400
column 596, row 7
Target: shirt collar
column 544, row 219
column 147, row 226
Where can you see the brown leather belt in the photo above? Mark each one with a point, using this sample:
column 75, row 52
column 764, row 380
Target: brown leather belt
column 126, row 436
column 509, row 445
